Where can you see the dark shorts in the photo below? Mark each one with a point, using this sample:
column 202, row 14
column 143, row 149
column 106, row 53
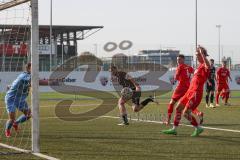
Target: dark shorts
column 210, row 88
column 136, row 97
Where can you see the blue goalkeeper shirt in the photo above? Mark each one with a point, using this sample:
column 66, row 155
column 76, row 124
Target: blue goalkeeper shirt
column 20, row 87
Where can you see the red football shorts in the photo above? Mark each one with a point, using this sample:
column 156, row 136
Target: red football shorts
column 179, row 92
column 222, row 86
column 191, row 99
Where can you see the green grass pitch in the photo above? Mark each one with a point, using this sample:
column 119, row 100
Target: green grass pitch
column 103, row 139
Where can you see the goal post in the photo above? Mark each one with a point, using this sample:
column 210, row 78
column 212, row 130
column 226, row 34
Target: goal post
column 35, row 76
column 6, row 5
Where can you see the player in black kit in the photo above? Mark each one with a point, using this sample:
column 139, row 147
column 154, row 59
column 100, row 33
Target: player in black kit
column 210, row 85
column 126, row 81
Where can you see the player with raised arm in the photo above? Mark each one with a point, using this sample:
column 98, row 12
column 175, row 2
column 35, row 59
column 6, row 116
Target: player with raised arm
column 183, row 76
column 127, row 81
column 223, row 74
column 210, row 85
column 191, row 100
column 16, row 99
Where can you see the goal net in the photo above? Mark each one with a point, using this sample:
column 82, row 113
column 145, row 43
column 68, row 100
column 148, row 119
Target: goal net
column 16, row 46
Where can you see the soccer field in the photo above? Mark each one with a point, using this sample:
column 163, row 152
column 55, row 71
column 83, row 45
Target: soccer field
column 102, row 138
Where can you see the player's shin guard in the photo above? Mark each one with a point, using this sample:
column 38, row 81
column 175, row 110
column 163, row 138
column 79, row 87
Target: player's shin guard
column 146, row 101
column 9, row 124
column 223, row 95
column 207, row 98
column 212, row 97
column 170, row 110
column 177, row 118
column 191, row 119
column 124, row 118
column 227, row 97
column 217, row 97
column 22, row 119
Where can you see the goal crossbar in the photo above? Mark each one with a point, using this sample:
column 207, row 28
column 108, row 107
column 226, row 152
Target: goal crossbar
column 12, row 4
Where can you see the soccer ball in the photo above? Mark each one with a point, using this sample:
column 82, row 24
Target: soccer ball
column 126, row 93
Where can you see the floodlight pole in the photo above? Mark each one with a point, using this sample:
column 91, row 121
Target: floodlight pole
column 160, row 57
column 219, row 42
column 35, row 77
column 96, row 54
column 62, row 53
column 196, row 27
column 96, row 49
column 50, row 35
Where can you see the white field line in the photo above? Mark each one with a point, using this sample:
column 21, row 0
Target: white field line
column 44, row 156
column 159, row 122
column 27, row 151
column 14, row 148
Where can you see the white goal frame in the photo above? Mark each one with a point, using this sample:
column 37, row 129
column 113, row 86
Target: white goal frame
column 34, row 78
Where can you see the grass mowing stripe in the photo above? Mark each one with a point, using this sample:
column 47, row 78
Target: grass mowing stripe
column 149, row 121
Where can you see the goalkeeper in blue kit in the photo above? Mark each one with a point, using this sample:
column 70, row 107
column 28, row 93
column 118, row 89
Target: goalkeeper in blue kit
column 16, row 99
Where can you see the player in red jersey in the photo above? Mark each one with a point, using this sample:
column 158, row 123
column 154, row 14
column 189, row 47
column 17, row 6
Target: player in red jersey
column 223, row 74
column 193, row 96
column 183, row 76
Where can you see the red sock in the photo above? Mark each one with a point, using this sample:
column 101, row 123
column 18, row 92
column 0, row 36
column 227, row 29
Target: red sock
column 170, row 110
column 217, row 97
column 177, row 117
column 226, row 97
column 223, row 95
column 191, row 119
column 196, row 112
